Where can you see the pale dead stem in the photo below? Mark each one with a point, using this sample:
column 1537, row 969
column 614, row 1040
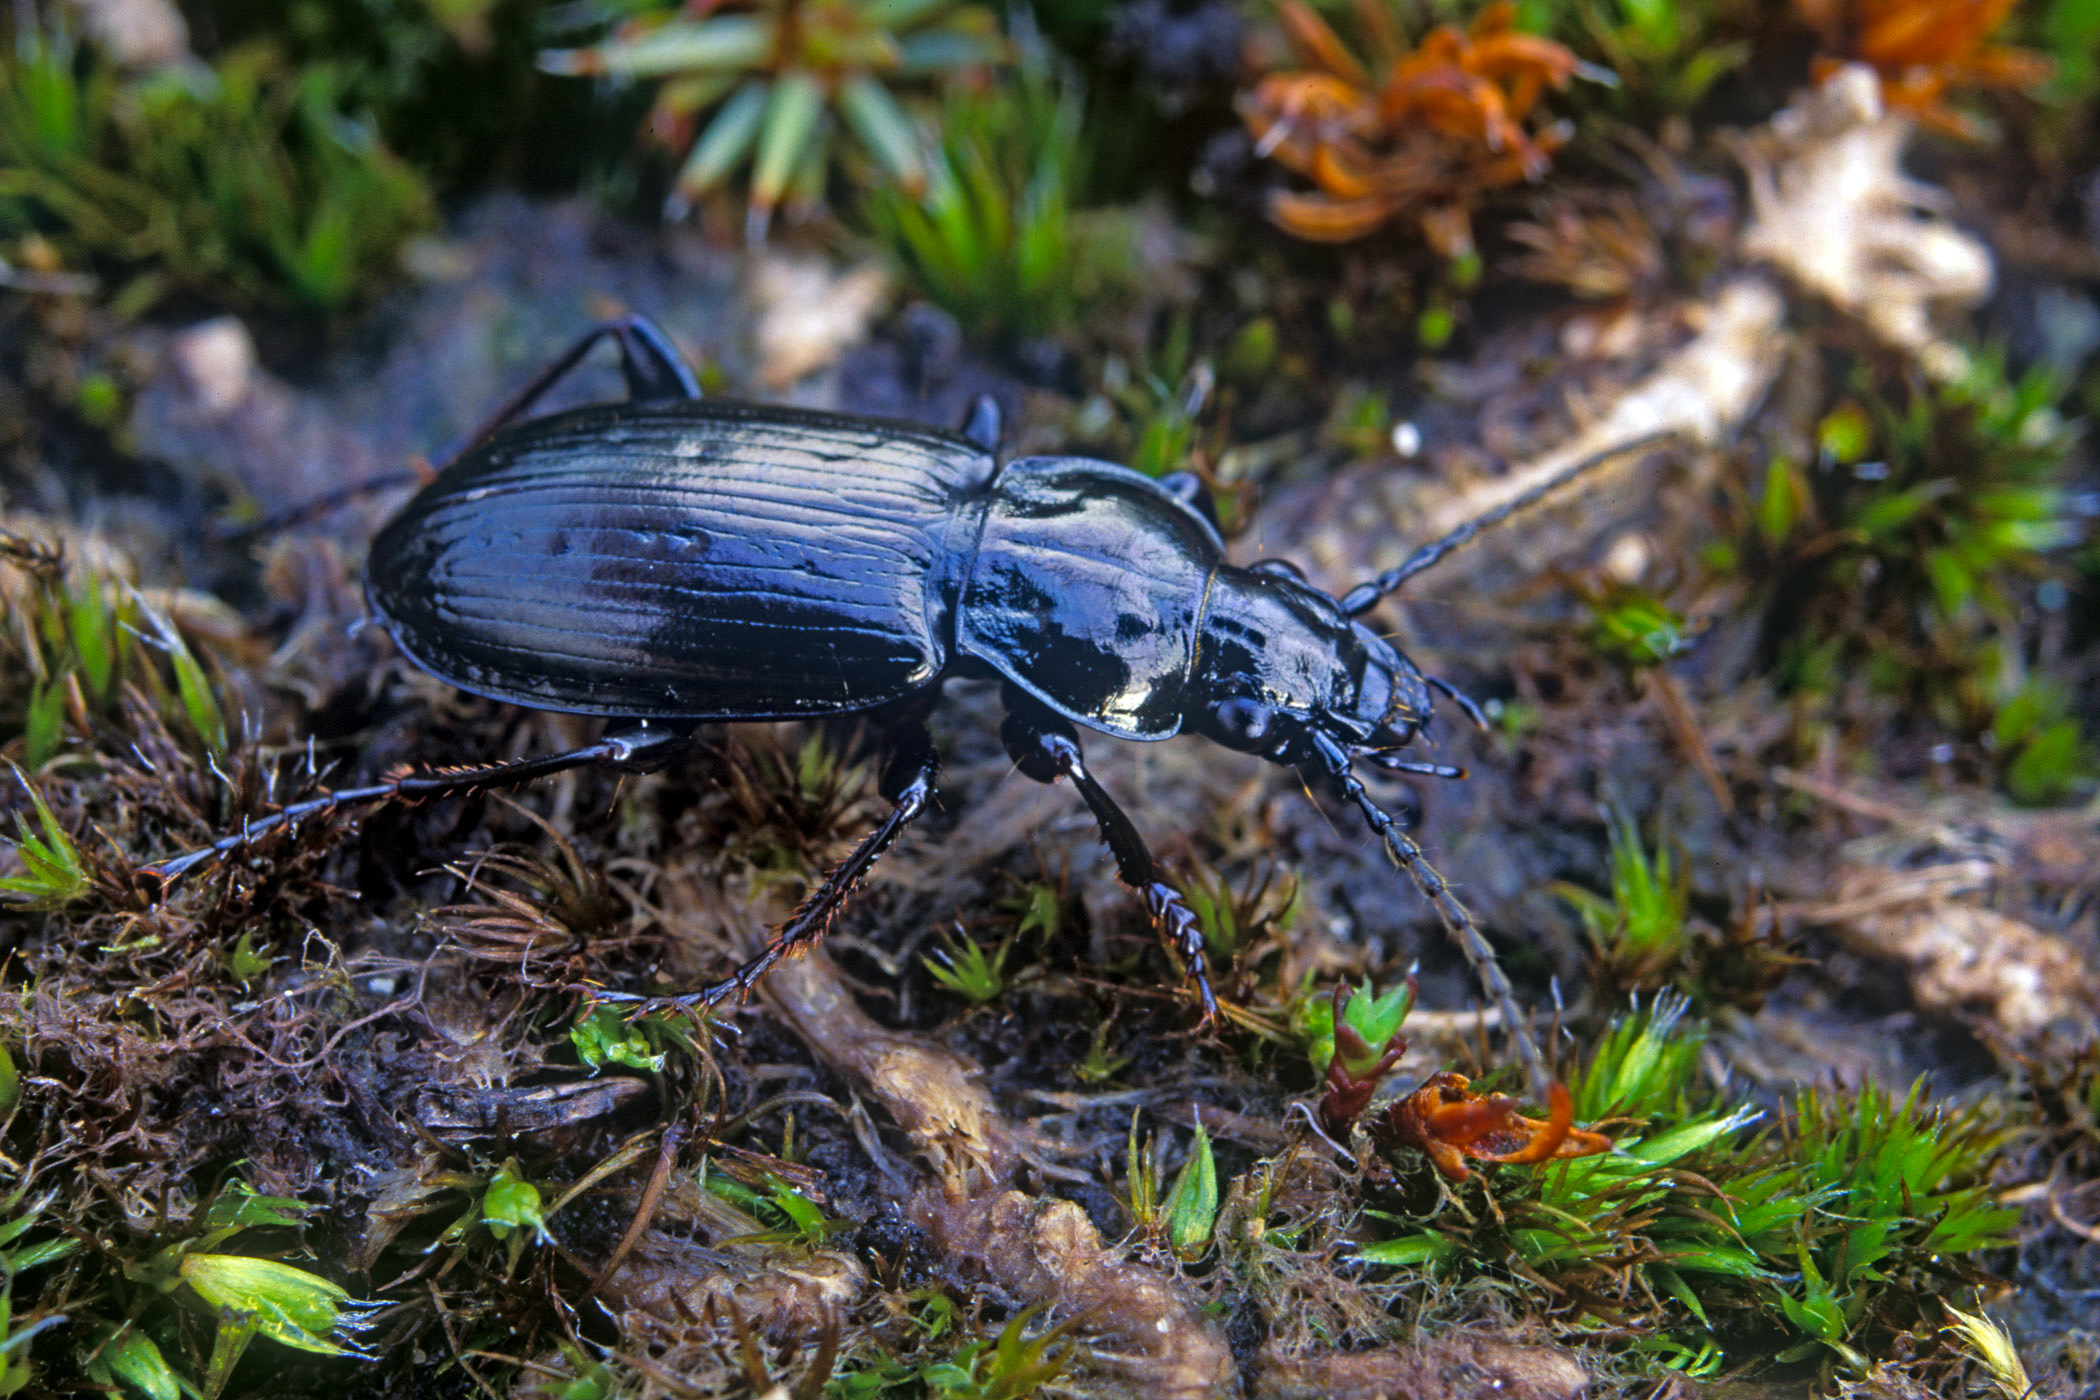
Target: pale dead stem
column 1918, row 894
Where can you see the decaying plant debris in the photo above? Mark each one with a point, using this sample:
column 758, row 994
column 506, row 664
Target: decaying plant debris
column 343, row 1115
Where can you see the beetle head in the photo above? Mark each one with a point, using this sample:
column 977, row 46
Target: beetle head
column 1278, row 662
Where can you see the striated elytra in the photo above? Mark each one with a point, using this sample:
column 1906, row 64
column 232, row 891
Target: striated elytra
column 672, row 560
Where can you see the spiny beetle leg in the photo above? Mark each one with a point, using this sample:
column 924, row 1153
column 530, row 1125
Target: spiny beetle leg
column 908, row 776
column 649, row 361
column 633, row 750
column 1403, row 852
column 1045, row 747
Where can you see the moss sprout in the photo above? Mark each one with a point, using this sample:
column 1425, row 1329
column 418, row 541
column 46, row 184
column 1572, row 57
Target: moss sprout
column 997, row 234
column 246, row 180
column 1419, row 133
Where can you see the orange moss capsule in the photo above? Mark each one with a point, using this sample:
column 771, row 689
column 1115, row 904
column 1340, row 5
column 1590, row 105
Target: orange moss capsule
column 1440, row 126
column 1924, row 50
column 1448, row 1123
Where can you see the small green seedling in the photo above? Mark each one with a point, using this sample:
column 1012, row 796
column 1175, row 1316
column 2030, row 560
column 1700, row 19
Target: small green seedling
column 1640, row 935
column 962, row 965
column 604, row 1037
column 52, row 874
column 1012, row 1367
column 1192, row 1205
column 1634, row 628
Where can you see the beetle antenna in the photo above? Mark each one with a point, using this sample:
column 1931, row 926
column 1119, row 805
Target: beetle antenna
column 1405, row 853
column 1362, row 598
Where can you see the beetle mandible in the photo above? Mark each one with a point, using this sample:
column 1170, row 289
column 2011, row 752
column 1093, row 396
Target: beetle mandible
column 672, row 560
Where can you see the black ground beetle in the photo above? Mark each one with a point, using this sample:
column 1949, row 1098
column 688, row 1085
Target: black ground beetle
column 672, row 560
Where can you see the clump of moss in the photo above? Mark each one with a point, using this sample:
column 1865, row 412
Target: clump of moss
column 1903, row 556
column 248, row 181
column 996, row 234
column 1720, row 1241
column 1645, row 938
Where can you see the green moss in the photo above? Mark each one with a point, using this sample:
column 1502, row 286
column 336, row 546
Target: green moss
column 52, row 875
column 997, row 236
column 1907, row 556
column 964, row 967
column 248, row 181
column 1817, row 1233
column 1639, row 936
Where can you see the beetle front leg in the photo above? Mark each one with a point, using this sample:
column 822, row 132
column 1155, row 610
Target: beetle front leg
column 1046, row 748
column 908, row 774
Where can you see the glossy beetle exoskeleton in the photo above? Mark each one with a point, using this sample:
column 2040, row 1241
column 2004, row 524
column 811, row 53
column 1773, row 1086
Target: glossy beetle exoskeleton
column 672, row 560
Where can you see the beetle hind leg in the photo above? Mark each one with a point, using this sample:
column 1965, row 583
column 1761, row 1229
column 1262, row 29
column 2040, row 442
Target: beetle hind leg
column 650, row 362
column 1046, row 748
column 632, row 750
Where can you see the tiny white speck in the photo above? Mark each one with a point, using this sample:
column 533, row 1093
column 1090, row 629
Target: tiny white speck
column 1407, row 439
column 1163, row 1326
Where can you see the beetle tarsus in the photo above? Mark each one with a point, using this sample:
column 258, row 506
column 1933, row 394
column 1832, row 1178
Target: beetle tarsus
column 293, row 517
column 1459, row 698
column 1184, row 933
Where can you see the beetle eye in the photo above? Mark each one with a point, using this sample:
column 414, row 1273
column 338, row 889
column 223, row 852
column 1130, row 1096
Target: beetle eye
column 1244, row 721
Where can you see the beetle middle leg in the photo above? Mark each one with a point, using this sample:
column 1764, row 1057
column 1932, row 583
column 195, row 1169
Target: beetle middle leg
column 1045, row 747
column 909, row 771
